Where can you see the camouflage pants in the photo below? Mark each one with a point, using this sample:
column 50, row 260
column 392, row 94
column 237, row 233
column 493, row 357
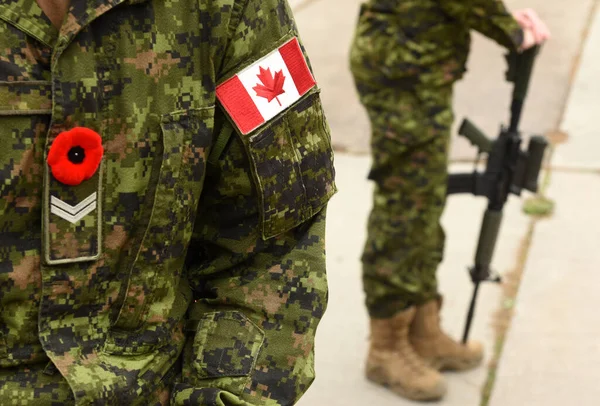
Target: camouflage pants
column 405, row 243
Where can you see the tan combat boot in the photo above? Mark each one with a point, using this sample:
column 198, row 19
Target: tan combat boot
column 436, row 347
column 393, row 363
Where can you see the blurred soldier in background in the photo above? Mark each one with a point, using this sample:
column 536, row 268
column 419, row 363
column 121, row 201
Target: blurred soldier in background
column 405, row 58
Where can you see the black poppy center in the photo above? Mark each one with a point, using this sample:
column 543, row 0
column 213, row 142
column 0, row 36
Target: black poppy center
column 76, row 155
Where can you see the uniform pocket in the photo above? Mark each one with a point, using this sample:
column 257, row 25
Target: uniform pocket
column 292, row 162
column 25, row 98
column 155, row 274
column 24, row 105
column 226, row 345
column 25, row 113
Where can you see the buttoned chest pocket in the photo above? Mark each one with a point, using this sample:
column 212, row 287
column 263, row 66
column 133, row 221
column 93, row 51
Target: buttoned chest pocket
column 24, row 119
column 292, row 163
column 25, row 108
column 25, row 112
column 153, row 279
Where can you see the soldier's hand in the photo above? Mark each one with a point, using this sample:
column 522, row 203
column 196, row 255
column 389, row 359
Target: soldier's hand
column 534, row 29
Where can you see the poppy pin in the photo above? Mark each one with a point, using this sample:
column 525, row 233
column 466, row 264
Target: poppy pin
column 75, row 155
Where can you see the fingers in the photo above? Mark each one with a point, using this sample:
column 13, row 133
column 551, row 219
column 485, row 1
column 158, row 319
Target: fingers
column 540, row 29
column 530, row 21
column 528, row 39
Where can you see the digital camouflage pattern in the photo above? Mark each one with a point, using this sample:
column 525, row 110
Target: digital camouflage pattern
column 190, row 283
column 405, row 57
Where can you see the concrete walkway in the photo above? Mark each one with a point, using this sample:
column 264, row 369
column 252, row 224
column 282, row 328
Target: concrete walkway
column 342, row 338
column 552, row 353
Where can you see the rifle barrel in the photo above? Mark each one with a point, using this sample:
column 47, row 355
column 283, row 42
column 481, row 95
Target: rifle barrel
column 520, row 71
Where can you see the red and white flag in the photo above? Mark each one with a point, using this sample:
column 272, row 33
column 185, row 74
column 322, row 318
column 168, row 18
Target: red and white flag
column 267, row 87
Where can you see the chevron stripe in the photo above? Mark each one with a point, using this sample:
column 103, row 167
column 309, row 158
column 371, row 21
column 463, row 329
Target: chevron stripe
column 73, row 209
column 73, row 214
column 72, row 218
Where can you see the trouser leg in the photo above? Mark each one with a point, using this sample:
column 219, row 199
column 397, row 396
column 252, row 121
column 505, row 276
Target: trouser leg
column 405, row 242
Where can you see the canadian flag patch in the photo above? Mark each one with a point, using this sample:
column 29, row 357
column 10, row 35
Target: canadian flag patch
column 267, row 87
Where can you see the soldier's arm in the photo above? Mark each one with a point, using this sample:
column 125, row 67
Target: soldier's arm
column 256, row 263
column 489, row 17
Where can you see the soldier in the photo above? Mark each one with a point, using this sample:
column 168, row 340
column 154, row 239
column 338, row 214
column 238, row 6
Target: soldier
column 405, row 58
column 164, row 172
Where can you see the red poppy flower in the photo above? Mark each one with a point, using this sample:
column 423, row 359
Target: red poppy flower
column 75, row 155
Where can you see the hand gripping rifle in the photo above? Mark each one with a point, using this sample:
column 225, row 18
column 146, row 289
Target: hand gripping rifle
column 509, row 170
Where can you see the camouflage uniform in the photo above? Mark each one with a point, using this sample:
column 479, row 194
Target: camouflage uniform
column 405, row 58
column 199, row 278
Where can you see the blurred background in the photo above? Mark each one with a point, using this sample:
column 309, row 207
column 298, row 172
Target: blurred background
column 540, row 326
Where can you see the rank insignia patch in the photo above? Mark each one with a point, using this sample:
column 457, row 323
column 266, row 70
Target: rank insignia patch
column 73, row 214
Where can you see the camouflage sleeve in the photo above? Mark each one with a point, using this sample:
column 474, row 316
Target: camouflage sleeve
column 489, row 17
column 256, row 263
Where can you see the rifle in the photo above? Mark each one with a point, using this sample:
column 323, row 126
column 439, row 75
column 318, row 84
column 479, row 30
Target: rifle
column 509, row 170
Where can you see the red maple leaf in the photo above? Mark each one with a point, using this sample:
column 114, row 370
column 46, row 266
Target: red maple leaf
column 271, row 86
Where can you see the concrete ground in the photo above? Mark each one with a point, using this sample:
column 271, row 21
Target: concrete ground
column 342, row 338
column 551, row 355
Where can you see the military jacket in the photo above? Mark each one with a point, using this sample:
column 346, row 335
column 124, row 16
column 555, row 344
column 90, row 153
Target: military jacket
column 187, row 266
column 407, row 42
